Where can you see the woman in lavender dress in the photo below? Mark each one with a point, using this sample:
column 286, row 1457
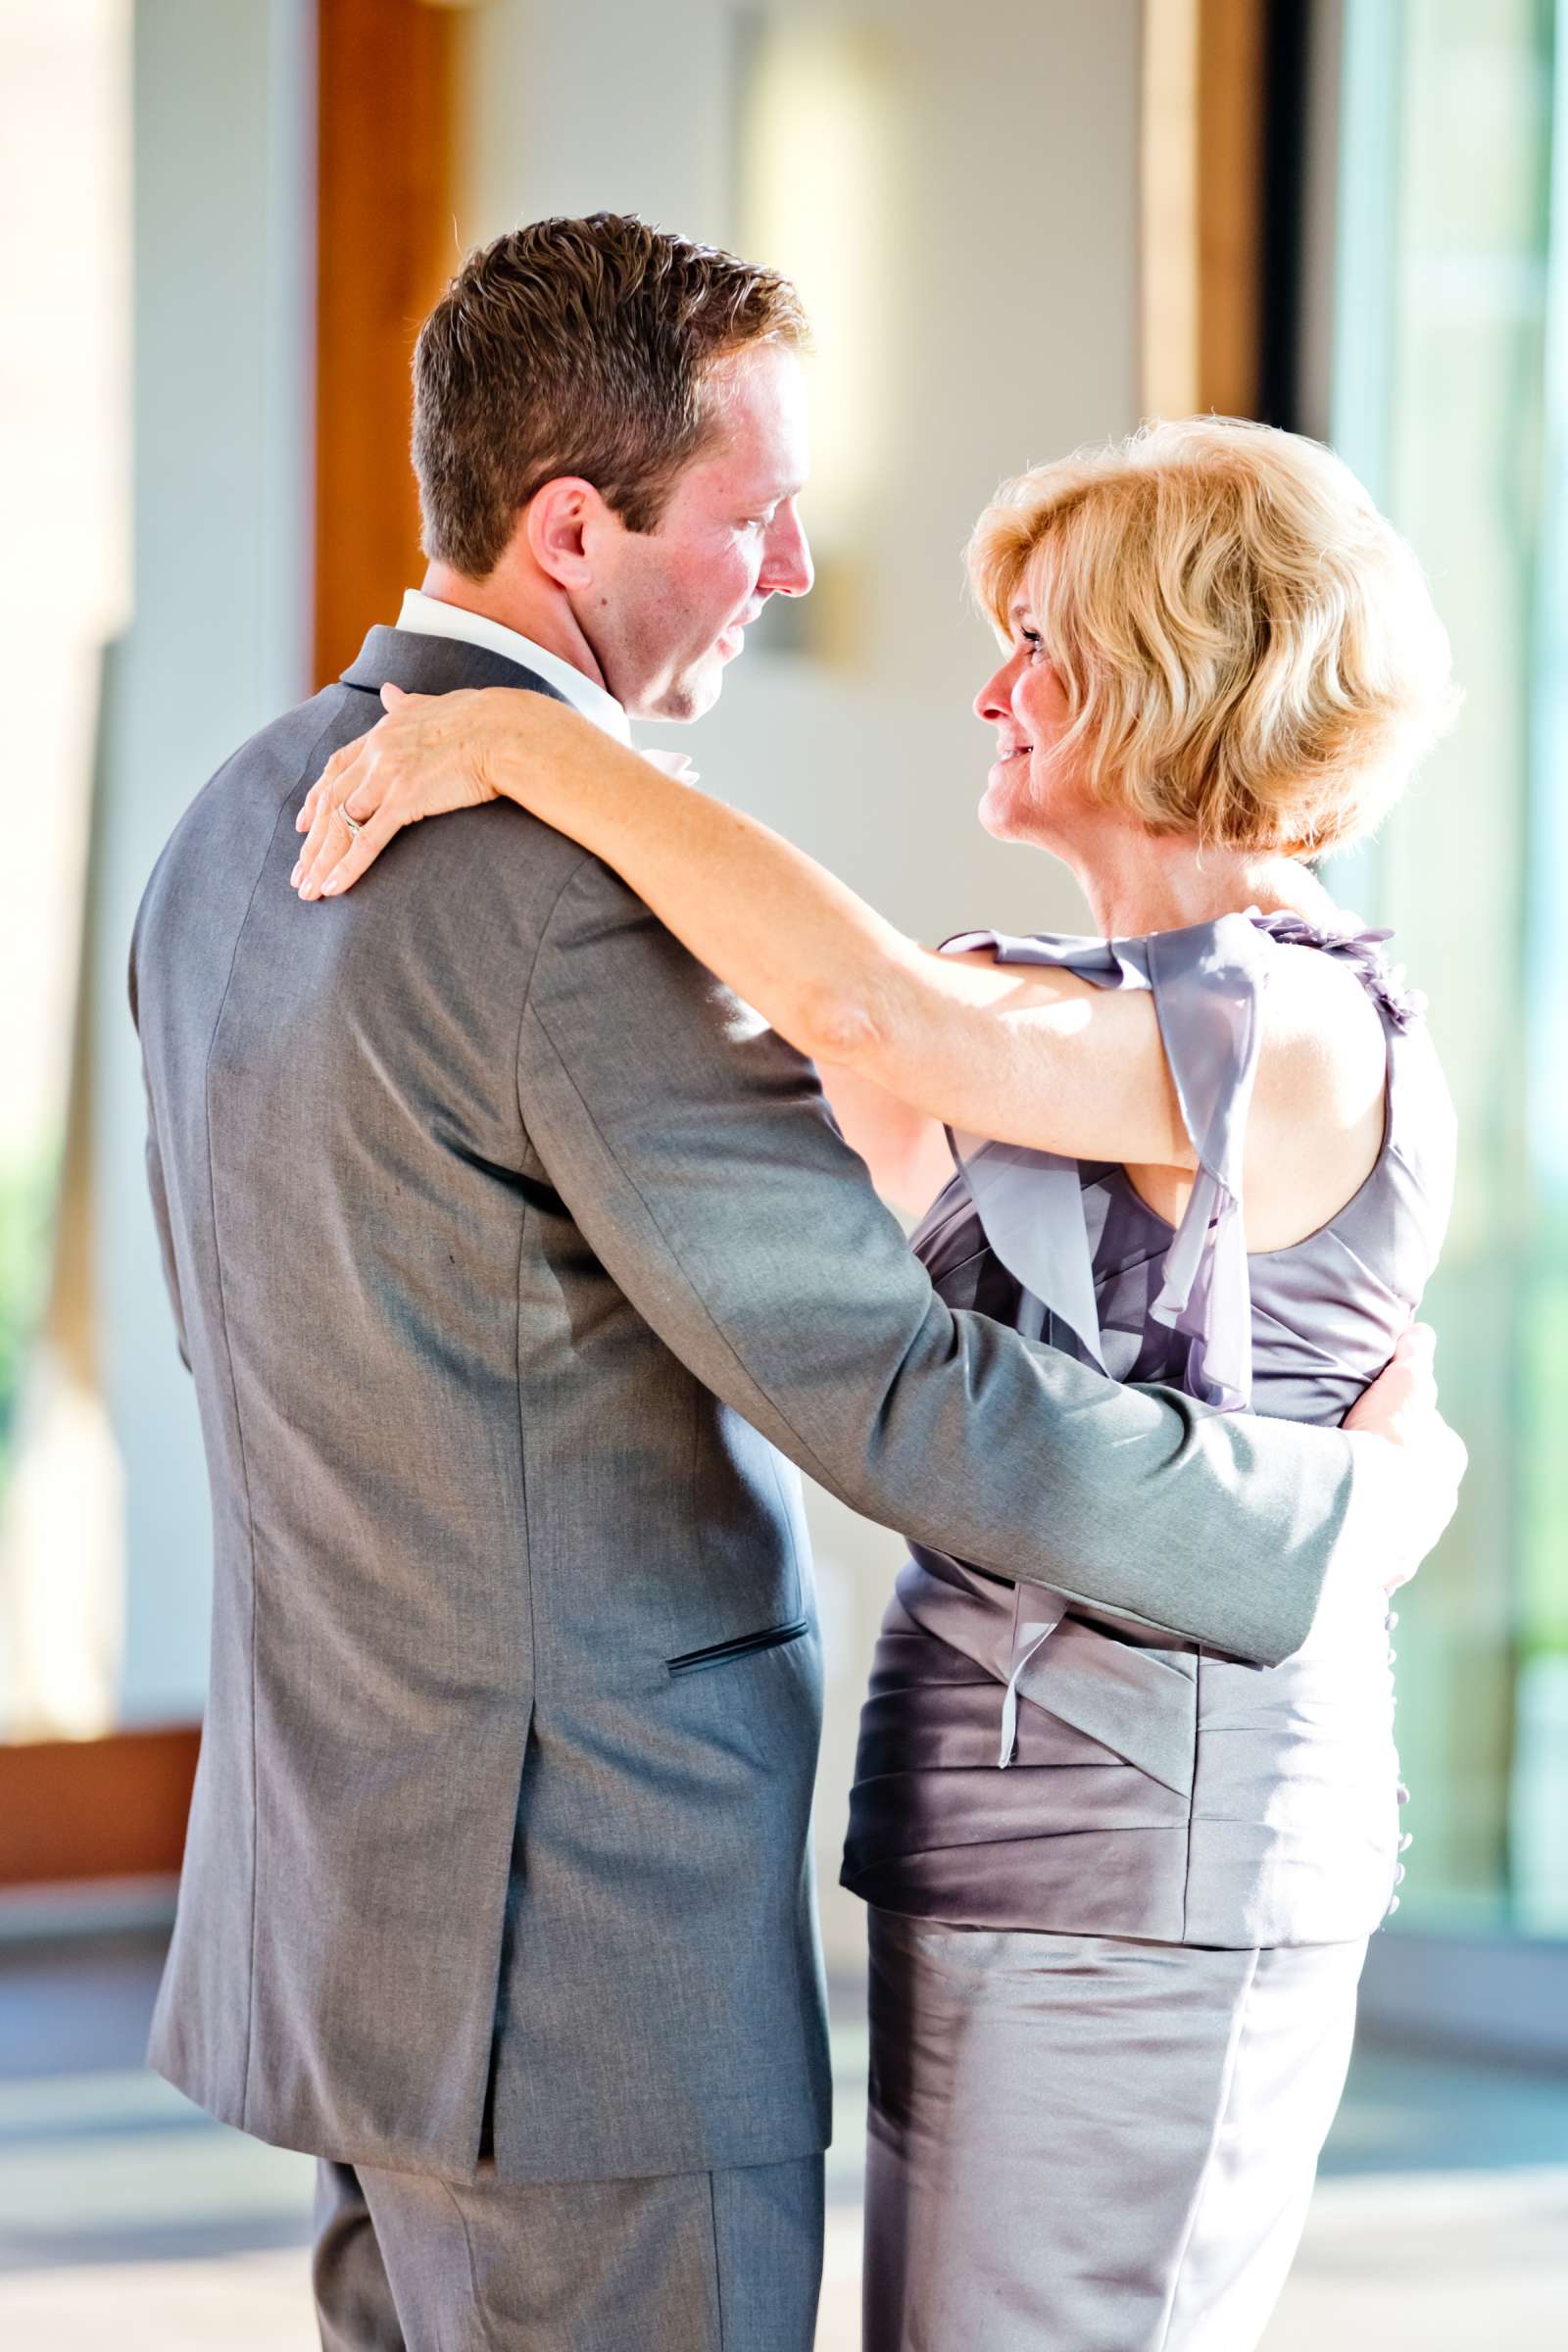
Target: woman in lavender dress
column 1120, row 1884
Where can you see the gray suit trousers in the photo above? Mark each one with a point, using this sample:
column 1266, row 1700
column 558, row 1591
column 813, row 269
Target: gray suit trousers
column 686, row 2262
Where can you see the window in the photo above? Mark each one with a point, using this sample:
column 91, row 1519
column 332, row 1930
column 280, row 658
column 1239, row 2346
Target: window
column 1448, row 303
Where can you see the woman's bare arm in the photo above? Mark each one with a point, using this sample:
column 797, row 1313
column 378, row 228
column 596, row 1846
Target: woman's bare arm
column 905, row 1152
column 1024, row 1054
column 1027, row 1056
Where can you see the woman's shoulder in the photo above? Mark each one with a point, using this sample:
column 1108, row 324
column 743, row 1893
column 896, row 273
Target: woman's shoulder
column 1324, row 1066
column 1242, row 950
column 1355, row 951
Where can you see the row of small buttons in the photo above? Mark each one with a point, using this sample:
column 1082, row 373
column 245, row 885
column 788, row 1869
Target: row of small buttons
column 1401, row 1792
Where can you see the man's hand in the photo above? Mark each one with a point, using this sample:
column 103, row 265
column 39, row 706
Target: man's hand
column 1400, row 1407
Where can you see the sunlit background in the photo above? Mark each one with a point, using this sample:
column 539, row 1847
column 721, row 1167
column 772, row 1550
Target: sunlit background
column 1015, row 228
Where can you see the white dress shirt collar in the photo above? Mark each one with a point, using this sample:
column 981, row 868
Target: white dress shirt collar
column 427, row 616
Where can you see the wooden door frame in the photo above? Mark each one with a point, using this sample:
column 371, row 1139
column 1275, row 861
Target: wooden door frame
column 1205, row 202
column 115, row 1807
column 386, row 244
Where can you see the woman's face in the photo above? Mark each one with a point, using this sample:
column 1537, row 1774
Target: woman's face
column 1031, row 793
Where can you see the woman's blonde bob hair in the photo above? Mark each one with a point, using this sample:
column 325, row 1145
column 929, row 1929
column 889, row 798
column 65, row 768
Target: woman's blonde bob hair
column 1248, row 650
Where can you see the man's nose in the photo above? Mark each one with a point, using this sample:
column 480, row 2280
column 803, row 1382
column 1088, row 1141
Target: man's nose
column 787, row 569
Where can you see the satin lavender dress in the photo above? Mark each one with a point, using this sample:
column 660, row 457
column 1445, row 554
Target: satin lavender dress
column 1121, row 1884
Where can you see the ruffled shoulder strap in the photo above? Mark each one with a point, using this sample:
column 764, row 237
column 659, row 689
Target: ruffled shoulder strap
column 1354, row 942
column 1030, row 1203
column 1207, row 983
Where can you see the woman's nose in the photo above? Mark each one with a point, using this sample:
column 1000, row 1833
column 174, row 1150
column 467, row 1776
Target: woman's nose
column 992, row 700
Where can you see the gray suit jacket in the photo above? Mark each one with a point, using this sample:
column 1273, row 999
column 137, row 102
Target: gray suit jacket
column 518, row 1267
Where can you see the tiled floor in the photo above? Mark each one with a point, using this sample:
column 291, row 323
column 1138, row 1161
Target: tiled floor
column 127, row 2219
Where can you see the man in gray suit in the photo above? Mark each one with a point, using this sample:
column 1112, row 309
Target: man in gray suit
column 517, row 1267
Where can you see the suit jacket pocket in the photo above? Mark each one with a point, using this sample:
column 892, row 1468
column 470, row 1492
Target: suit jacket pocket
column 773, row 1636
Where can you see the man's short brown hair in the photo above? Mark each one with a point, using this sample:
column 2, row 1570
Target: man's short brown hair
column 576, row 347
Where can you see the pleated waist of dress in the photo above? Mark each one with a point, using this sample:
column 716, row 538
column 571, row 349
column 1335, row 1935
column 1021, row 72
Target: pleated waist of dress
column 1181, row 1794
column 1132, row 1687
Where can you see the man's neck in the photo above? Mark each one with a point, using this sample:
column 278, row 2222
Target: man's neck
column 541, row 615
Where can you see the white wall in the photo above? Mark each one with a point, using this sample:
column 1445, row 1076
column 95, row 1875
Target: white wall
column 223, row 242
column 1008, row 333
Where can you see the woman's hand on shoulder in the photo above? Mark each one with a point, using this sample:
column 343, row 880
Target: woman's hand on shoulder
column 430, row 754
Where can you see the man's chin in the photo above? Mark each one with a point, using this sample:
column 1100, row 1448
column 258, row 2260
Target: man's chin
column 689, row 697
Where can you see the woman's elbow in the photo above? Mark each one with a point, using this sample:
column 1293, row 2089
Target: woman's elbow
column 836, row 1025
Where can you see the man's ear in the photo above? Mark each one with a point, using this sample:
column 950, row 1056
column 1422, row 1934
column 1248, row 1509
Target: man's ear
column 562, row 520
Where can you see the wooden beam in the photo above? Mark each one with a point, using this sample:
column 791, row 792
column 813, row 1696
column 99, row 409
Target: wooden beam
column 1230, row 205
column 117, row 1806
column 385, row 247
column 111, row 1809
column 1204, row 96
